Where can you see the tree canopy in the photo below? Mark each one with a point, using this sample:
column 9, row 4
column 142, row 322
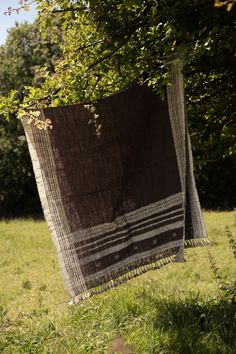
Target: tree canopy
column 106, row 44
column 22, row 60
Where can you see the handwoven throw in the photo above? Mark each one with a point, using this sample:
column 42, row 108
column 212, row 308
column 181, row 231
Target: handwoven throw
column 124, row 201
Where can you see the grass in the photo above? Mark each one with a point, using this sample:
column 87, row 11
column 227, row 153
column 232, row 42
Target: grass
column 182, row 308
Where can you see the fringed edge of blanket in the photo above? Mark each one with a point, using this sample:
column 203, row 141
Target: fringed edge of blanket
column 130, row 274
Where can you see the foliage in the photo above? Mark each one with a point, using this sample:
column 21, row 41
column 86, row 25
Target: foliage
column 22, row 5
column 210, row 97
column 228, row 4
column 24, row 61
column 176, row 309
column 106, row 44
column 227, row 288
column 18, row 191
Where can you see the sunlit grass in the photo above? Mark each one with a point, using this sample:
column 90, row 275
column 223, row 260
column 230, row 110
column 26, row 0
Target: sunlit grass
column 27, row 256
column 177, row 309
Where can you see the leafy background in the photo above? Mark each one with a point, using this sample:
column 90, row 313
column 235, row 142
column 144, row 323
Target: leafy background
column 78, row 50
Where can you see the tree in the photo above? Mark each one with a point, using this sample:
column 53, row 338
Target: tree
column 23, row 60
column 106, row 44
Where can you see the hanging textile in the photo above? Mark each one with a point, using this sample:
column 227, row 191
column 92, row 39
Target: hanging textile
column 123, row 202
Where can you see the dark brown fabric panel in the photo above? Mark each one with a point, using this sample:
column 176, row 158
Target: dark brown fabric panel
column 116, row 272
column 132, row 249
column 134, row 225
column 115, row 202
column 129, row 162
column 125, row 236
column 124, row 239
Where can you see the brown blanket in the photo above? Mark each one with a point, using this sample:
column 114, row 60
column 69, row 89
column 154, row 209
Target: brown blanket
column 123, row 202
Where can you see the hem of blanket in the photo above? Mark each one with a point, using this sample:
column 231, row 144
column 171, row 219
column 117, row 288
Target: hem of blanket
column 130, row 274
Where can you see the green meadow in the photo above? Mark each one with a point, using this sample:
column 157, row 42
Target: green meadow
column 181, row 308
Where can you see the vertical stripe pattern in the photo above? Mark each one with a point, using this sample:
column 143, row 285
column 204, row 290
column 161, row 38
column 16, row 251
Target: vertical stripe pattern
column 116, row 205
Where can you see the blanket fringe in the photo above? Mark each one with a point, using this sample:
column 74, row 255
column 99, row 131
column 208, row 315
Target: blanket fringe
column 198, row 242
column 130, row 274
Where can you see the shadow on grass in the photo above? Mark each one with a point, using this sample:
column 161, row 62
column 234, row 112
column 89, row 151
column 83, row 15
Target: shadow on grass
column 190, row 326
column 137, row 325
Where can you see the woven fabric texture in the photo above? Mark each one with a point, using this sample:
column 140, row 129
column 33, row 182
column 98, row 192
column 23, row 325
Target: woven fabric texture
column 123, row 202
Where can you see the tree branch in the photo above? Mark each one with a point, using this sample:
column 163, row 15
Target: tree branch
column 71, row 9
column 88, row 45
column 45, row 97
column 107, row 56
